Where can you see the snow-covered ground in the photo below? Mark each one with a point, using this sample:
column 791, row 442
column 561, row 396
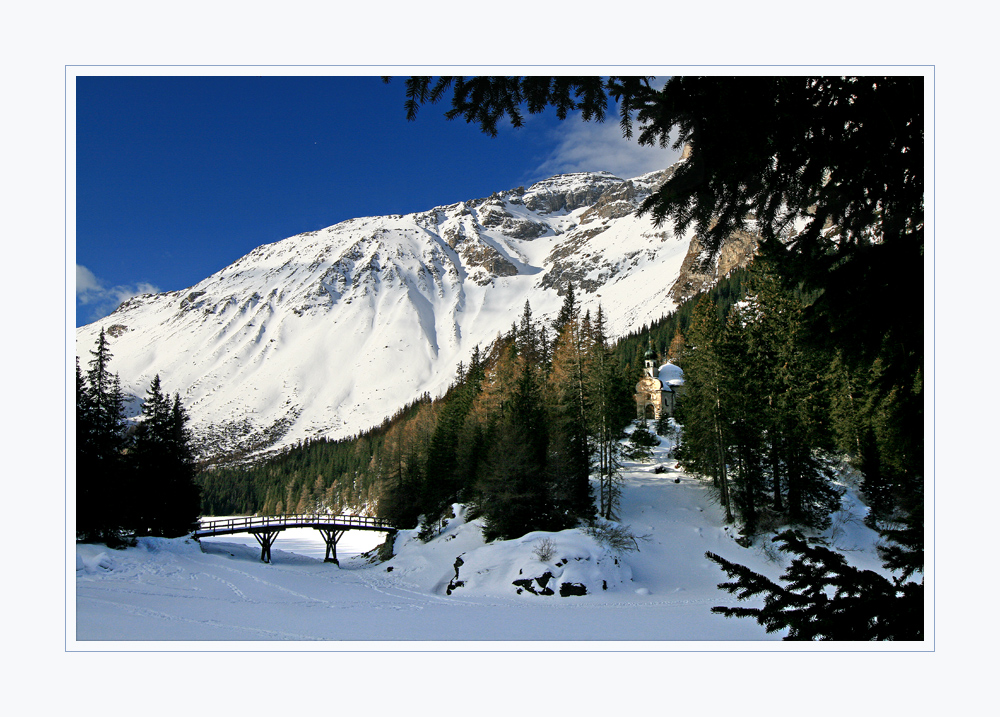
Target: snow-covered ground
column 210, row 595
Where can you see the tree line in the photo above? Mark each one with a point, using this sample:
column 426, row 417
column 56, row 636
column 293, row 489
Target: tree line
column 314, row 475
column 516, row 438
column 526, row 425
column 770, row 405
column 666, row 335
column 130, row 481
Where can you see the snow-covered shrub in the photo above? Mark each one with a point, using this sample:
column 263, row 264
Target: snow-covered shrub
column 545, row 550
column 613, row 536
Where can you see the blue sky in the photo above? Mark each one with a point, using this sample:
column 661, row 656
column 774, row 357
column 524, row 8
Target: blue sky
column 177, row 177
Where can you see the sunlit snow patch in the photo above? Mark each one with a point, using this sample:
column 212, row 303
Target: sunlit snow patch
column 565, row 563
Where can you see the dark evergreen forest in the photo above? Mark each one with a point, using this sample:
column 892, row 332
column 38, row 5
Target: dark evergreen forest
column 393, row 468
column 130, row 480
column 828, row 351
column 517, row 436
column 769, row 406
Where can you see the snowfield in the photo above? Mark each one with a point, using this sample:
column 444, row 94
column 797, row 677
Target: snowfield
column 453, row 592
column 326, row 333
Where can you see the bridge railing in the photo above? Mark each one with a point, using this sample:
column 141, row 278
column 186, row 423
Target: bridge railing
column 291, row 521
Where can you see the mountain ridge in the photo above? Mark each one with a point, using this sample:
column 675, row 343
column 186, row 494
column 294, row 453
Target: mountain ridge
column 325, row 333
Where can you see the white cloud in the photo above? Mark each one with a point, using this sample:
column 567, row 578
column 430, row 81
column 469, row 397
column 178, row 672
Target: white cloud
column 595, row 146
column 100, row 300
column 123, row 293
column 86, row 282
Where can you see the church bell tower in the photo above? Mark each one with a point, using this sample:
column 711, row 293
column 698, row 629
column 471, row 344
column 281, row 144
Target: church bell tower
column 652, row 398
column 650, row 358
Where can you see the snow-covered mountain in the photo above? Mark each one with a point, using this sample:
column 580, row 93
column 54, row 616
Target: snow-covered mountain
column 328, row 332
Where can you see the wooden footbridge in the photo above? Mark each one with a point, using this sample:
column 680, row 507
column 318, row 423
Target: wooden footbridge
column 266, row 529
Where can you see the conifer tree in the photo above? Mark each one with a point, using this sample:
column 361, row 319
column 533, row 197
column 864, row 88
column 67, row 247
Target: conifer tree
column 675, row 353
column 184, row 497
column 802, row 423
column 704, row 447
column 891, row 439
column 904, row 548
column 641, row 443
column 469, row 439
column 400, row 501
column 106, row 398
column 788, row 378
column 164, row 494
column 609, row 411
column 825, row 598
column 515, row 494
column 528, row 338
column 568, row 312
column 570, row 454
column 844, row 409
column 445, row 477
column 744, row 434
column 101, row 440
column 92, row 493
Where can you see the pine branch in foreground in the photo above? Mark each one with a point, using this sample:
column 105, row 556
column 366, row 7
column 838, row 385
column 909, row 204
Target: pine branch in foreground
column 825, row 598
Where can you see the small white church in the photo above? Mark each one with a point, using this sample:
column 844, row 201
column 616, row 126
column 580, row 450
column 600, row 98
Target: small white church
column 656, row 392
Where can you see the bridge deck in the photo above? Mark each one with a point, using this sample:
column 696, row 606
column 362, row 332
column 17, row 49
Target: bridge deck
column 266, row 529
column 229, row 526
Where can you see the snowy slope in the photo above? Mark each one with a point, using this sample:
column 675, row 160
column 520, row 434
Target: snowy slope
column 328, row 332
column 172, row 590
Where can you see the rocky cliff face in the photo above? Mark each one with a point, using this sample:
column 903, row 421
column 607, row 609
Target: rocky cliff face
column 698, row 273
column 613, row 209
column 568, row 192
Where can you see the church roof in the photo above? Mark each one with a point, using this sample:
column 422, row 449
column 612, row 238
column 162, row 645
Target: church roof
column 671, row 375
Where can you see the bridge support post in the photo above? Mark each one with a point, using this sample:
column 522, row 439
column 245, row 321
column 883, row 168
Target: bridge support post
column 266, row 539
column 331, row 537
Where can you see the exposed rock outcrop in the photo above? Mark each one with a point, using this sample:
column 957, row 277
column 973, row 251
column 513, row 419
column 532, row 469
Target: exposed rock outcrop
column 698, row 273
column 565, row 192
